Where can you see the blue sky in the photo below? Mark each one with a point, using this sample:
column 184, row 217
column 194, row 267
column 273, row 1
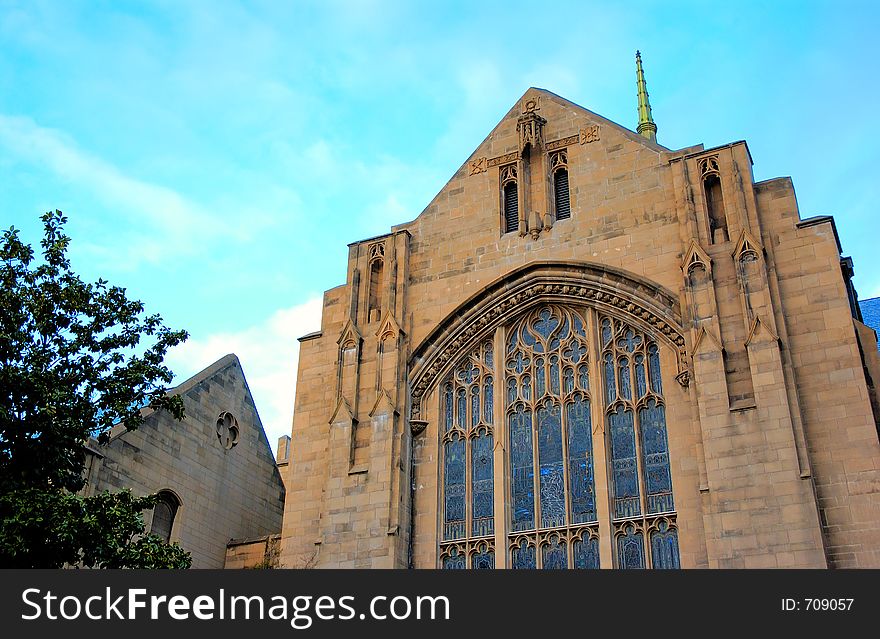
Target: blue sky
column 216, row 157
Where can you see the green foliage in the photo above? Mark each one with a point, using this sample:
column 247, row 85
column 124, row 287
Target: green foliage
column 54, row 528
column 74, row 361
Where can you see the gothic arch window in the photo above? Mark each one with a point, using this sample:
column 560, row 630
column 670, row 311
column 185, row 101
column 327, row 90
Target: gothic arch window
column 561, row 196
column 562, row 372
column 714, row 195
column 468, row 465
column 164, row 513
column 641, row 479
column 509, row 198
column 377, row 267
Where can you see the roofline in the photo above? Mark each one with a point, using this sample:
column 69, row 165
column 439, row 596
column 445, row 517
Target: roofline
column 376, row 237
column 716, row 148
column 821, row 219
column 183, row 387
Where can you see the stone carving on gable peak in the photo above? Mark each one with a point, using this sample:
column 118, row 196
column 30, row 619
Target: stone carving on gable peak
column 589, row 134
column 531, row 104
column 530, row 127
column 478, row 165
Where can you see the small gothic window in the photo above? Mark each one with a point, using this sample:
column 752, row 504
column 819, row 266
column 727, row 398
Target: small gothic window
column 227, row 430
column 561, row 197
column 375, row 301
column 714, row 201
column 560, row 194
column 163, row 515
column 510, row 199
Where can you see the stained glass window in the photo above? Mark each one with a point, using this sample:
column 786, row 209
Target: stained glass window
column 641, row 481
column 585, row 552
column 664, row 546
column 547, row 356
column 550, row 440
column 630, row 550
column 523, row 556
column 468, row 458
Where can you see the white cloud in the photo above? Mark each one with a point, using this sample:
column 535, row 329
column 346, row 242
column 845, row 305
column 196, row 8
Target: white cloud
column 269, row 353
column 176, row 217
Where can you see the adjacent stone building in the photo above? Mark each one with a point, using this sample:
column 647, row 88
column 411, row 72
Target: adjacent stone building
column 214, row 471
column 589, row 350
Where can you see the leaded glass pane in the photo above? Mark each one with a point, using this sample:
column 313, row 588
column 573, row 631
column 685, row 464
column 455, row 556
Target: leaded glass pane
column 625, row 391
column 475, row 405
column 488, row 393
column 523, row 470
column 655, row 458
column 527, row 387
column 511, row 390
column 639, row 363
column 461, row 417
column 454, row 487
column 654, row 368
column 664, row 547
column 630, row 550
column 484, row 559
column 487, row 355
column 546, row 323
column 482, row 492
column 554, row 375
column 523, row 556
column 623, row 464
column 448, row 403
column 454, row 560
column 585, row 553
column 552, row 475
column 539, row 378
column 610, row 386
column 567, row 380
column 606, row 332
column 554, row 554
column 584, row 377
column 580, row 461
column 529, row 340
column 579, row 326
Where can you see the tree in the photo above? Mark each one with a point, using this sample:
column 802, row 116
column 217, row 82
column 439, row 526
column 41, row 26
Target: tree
column 76, row 359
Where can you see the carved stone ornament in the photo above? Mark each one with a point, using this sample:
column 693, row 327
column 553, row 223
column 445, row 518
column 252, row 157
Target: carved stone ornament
column 589, row 134
column 417, row 426
column 709, row 166
column 478, row 166
column 530, row 127
column 377, row 251
column 562, row 143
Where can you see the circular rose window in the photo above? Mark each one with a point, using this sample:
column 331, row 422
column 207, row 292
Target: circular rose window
column 227, row 430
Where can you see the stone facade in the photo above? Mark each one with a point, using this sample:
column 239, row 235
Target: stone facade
column 217, row 464
column 772, row 441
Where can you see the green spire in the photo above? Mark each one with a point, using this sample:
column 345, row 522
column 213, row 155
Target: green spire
column 646, row 127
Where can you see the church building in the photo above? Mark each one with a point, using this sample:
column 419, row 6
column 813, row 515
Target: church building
column 590, row 351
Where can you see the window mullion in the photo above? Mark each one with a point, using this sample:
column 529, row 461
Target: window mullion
column 500, row 462
column 601, row 454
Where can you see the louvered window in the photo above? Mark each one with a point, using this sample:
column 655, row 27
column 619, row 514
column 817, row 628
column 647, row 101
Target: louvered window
column 511, row 208
column 560, row 191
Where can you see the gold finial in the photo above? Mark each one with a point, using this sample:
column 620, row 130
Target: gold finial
column 646, row 127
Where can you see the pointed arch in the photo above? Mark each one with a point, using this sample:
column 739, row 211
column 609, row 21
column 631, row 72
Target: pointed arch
column 645, row 304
